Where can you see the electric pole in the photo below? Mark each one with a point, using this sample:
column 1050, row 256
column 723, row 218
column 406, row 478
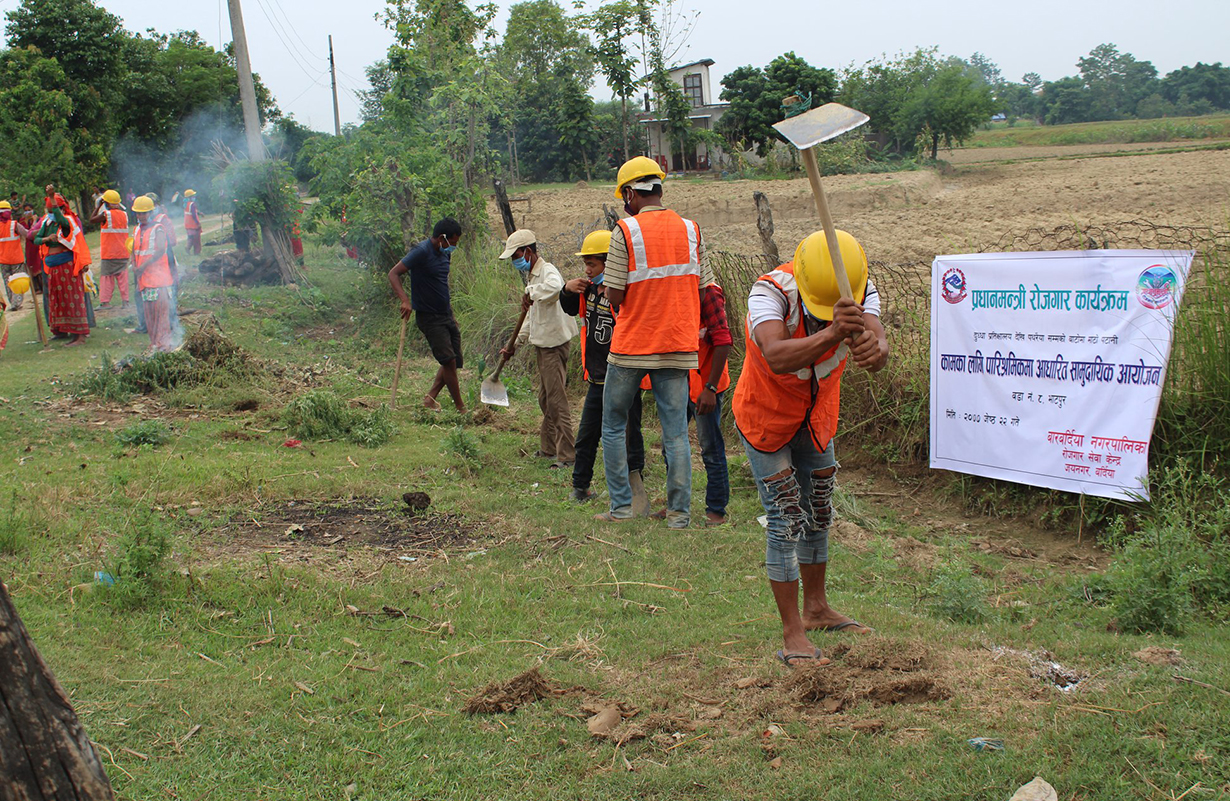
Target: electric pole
column 247, row 92
column 337, row 118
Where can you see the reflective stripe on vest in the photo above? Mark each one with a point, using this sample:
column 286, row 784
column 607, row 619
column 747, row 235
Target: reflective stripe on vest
column 157, row 274
column 771, row 408
column 637, row 272
column 109, row 227
column 114, row 236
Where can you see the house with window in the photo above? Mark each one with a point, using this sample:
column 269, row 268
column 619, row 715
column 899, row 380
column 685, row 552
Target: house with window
column 698, row 89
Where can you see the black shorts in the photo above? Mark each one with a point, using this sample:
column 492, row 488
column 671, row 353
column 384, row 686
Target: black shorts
column 442, row 335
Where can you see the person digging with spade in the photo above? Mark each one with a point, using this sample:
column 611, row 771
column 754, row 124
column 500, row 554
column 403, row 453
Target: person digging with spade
column 800, row 334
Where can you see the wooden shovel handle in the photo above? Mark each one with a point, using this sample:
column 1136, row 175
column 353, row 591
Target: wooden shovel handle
column 512, row 340
column 826, row 220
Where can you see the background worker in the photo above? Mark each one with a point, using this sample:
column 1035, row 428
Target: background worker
column 34, row 256
column 192, row 221
column 655, row 270
column 152, row 270
column 12, row 254
column 159, row 216
column 65, row 256
column 428, row 264
column 707, row 387
column 550, row 330
column 112, row 221
column 586, row 297
column 800, row 333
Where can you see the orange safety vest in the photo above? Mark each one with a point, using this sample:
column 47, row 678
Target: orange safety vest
column 661, row 308
column 158, row 274
column 769, row 408
column 114, row 234
column 75, row 242
column 12, row 250
column 190, row 220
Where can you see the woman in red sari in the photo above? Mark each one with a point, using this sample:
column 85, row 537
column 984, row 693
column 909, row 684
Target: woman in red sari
column 66, row 255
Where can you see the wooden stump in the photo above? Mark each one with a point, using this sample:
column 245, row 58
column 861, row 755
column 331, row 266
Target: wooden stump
column 764, row 223
column 44, row 751
column 501, row 202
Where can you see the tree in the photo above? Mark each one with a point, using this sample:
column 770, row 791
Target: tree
column 45, row 752
column 1066, row 100
column 88, row 43
column 1017, row 100
column 756, row 95
column 948, row 106
column 881, row 88
column 35, row 139
column 987, row 70
column 1116, row 82
column 1201, row 82
column 1032, row 80
column 613, row 24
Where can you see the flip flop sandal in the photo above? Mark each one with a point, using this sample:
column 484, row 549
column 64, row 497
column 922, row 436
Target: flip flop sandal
column 842, row 626
column 789, row 659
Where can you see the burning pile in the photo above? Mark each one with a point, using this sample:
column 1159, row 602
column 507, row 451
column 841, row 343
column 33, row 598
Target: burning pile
column 241, row 268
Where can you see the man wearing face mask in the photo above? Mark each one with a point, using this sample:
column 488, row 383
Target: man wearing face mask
column 550, row 330
column 428, row 263
column 655, row 273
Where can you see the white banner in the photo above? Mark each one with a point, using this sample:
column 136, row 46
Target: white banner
column 1047, row 368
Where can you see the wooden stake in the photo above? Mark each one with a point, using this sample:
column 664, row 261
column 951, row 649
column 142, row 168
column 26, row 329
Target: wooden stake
column 401, row 344
column 764, row 223
column 38, row 313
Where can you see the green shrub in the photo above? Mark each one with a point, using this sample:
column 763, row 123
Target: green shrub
column 146, row 432
column 1172, row 557
column 138, row 565
column 957, row 594
column 320, row 414
column 462, row 444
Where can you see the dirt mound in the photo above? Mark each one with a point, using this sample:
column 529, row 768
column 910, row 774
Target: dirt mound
column 511, row 695
column 359, row 521
column 208, row 345
column 1154, row 655
column 878, row 670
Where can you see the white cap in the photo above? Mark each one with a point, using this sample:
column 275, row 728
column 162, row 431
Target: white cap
column 519, row 239
column 646, row 184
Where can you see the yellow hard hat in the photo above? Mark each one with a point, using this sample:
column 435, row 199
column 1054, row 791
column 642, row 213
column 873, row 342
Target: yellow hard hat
column 128, row 242
column 596, row 243
column 4, row 204
column 19, row 283
column 813, row 270
column 143, row 204
column 112, row 197
column 189, row 192
column 637, row 167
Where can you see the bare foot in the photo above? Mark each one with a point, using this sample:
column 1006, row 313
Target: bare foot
column 77, row 340
column 431, row 403
column 829, row 620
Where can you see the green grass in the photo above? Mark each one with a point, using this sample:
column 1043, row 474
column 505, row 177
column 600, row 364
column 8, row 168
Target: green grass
column 249, row 637
column 1213, row 126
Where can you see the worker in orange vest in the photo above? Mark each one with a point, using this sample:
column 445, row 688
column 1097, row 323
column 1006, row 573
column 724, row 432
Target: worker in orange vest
column 112, row 221
column 655, row 271
column 192, row 221
column 12, row 251
column 152, row 268
column 800, row 334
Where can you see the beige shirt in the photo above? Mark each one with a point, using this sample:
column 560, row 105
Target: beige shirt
column 546, row 324
column 616, row 277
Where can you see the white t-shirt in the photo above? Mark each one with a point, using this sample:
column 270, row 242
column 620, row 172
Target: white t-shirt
column 765, row 302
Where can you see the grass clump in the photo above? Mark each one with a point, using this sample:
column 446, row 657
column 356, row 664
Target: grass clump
column 13, row 526
column 957, row 594
column 138, row 568
column 147, row 432
column 463, row 445
column 320, row 414
column 1172, row 560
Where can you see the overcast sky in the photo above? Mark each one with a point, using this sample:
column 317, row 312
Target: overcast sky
column 289, row 38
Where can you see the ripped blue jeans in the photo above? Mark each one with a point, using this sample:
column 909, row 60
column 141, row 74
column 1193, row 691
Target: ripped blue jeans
column 798, row 503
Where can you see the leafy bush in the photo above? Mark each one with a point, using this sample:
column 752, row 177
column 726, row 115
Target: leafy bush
column 463, row 444
column 957, row 594
column 138, row 566
column 1173, row 557
column 146, row 432
column 320, row 414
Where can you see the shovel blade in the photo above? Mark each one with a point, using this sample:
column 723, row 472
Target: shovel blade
column 819, row 125
column 493, row 392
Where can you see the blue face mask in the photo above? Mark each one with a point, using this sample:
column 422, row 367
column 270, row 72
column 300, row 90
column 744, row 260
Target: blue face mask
column 448, row 249
column 597, row 280
column 522, row 264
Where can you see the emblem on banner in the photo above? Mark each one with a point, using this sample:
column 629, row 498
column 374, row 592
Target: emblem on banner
column 952, row 286
column 1155, row 287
